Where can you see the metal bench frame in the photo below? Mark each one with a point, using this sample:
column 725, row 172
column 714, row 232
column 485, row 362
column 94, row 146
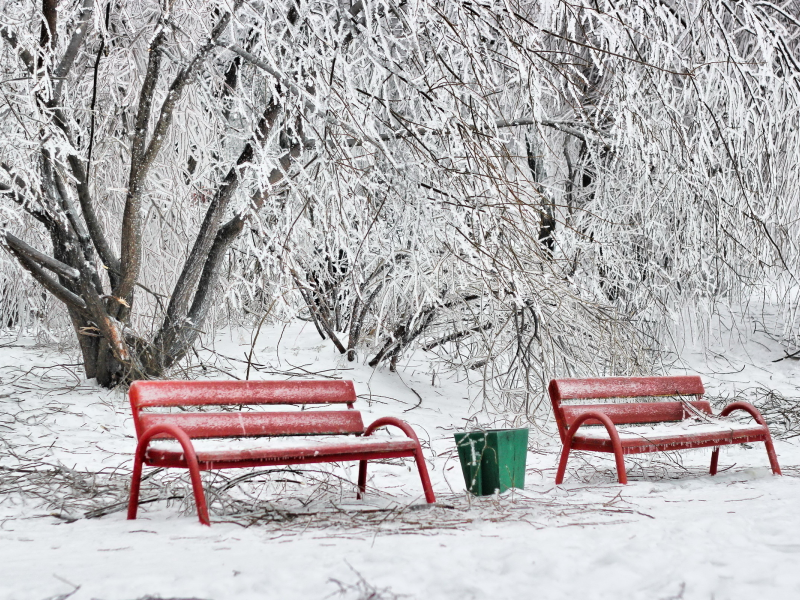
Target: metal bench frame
column 186, row 426
column 571, row 417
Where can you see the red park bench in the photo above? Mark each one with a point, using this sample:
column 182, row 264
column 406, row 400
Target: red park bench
column 355, row 442
column 683, row 421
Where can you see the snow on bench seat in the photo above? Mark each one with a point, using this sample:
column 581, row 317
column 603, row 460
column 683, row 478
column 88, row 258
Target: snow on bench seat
column 211, row 452
column 692, row 433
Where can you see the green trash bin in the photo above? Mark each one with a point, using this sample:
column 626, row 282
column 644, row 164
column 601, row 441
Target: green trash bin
column 493, row 459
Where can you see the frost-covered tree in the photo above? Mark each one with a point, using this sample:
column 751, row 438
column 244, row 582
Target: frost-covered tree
column 526, row 187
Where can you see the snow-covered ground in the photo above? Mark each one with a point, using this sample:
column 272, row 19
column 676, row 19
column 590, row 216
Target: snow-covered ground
column 673, row 532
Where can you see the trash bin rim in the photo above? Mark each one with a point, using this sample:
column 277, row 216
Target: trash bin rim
column 495, row 430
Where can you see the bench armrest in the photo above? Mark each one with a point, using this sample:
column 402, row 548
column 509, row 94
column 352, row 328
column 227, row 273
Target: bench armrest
column 387, row 421
column 594, row 414
column 172, row 431
column 748, row 408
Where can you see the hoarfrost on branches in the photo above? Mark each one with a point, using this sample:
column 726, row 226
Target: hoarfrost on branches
column 526, row 188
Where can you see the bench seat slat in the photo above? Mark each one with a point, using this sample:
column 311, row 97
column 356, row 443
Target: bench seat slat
column 323, row 451
column 250, row 424
column 198, row 393
column 633, row 444
column 627, row 387
column 632, row 413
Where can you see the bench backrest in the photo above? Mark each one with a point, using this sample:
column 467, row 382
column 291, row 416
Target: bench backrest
column 626, row 413
column 172, row 394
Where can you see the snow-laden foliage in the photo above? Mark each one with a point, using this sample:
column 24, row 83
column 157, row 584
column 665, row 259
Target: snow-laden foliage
column 527, row 188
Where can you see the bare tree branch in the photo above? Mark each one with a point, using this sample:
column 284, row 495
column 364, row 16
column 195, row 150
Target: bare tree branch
column 11, row 38
column 46, row 281
column 49, row 34
column 33, row 254
column 176, row 340
column 130, row 252
column 75, row 43
column 10, row 192
column 85, row 199
column 99, row 239
column 143, row 157
column 193, row 267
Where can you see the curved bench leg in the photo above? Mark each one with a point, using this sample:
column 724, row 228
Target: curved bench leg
column 199, row 494
column 430, row 498
column 362, row 479
column 191, row 463
column 622, row 477
column 562, row 465
column 136, row 481
column 421, row 466
column 714, row 461
column 197, row 489
column 423, row 475
column 616, row 445
column 753, row 412
column 773, row 458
